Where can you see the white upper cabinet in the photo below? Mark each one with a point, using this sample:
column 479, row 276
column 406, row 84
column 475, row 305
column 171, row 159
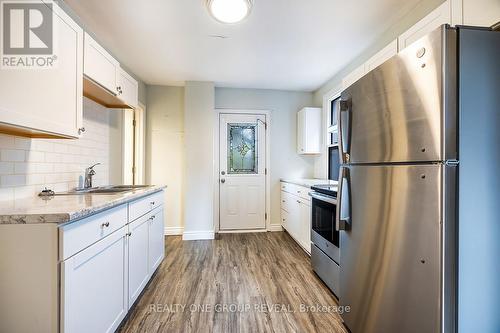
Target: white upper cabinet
column 481, row 12
column 383, row 55
column 105, row 81
column 450, row 12
column 46, row 102
column 354, row 76
column 100, row 66
column 309, row 131
column 128, row 89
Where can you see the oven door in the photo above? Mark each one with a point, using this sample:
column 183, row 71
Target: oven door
column 324, row 234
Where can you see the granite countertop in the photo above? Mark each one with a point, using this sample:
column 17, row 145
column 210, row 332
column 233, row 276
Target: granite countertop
column 61, row 209
column 309, row 182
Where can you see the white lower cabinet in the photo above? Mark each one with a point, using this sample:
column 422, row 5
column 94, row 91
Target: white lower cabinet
column 156, row 240
column 296, row 214
column 94, row 286
column 305, row 224
column 138, row 244
column 105, row 277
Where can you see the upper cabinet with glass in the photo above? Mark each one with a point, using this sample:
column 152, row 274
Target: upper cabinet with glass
column 309, row 131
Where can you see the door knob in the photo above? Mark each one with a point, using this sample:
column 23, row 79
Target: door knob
column 223, row 173
column 222, row 180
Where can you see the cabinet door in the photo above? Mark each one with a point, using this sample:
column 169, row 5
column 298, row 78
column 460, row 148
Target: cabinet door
column 294, row 217
column 128, row 89
column 441, row 15
column 138, row 240
column 309, row 131
column 380, row 57
column 100, row 66
column 94, row 287
column 483, row 13
column 284, row 219
column 301, row 137
column 305, row 225
column 156, row 240
column 354, row 76
column 48, row 100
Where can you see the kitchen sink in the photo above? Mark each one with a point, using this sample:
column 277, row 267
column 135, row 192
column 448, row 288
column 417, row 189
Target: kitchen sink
column 104, row 189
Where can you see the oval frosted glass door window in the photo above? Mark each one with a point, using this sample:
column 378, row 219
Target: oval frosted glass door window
column 242, row 149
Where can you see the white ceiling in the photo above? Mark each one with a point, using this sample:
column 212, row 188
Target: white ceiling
column 284, row 44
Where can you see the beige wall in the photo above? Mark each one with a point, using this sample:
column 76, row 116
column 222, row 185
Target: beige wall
column 199, row 153
column 165, row 149
column 283, row 106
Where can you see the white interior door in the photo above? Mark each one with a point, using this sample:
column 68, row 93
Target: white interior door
column 242, row 171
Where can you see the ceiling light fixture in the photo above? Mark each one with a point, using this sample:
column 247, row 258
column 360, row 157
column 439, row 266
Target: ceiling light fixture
column 229, row 11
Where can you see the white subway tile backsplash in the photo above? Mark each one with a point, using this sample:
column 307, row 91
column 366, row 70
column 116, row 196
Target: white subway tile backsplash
column 12, row 155
column 35, row 156
column 6, row 168
column 29, row 165
column 13, row 180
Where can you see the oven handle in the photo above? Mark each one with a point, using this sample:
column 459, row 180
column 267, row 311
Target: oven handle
column 343, row 220
column 323, row 197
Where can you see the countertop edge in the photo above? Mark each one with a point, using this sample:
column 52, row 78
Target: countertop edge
column 65, row 218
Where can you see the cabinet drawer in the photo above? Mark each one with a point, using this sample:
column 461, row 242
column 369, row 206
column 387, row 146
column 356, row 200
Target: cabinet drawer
column 287, row 187
column 81, row 234
column 302, row 192
column 144, row 205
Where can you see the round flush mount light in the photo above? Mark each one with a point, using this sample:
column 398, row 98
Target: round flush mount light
column 229, row 11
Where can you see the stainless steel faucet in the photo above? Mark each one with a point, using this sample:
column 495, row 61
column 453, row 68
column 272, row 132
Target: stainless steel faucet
column 89, row 172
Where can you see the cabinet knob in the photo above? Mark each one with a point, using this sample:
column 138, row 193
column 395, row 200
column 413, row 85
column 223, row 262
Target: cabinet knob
column 298, row 201
column 105, row 225
column 152, row 217
column 81, row 130
column 128, row 234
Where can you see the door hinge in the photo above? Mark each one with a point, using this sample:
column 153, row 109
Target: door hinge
column 134, row 122
column 265, row 216
column 133, row 169
column 265, row 171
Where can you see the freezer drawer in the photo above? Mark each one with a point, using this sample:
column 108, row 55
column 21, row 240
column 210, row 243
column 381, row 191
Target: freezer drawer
column 390, row 250
column 404, row 111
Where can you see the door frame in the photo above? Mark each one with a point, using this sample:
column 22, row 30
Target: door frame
column 216, row 143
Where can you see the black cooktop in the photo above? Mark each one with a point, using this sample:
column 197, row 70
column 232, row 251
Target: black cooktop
column 328, row 189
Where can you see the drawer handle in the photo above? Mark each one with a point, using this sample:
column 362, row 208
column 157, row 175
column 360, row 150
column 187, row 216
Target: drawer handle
column 283, row 200
column 152, row 202
column 299, row 192
column 128, row 234
column 152, row 217
column 105, row 225
column 298, row 201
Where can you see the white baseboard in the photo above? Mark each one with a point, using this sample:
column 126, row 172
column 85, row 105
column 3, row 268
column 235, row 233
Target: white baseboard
column 275, row 227
column 173, row 231
column 197, row 235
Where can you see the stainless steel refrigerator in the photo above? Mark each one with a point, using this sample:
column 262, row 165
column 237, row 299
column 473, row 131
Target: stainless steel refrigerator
column 419, row 188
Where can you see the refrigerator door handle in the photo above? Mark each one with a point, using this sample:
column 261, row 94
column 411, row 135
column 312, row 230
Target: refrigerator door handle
column 344, row 131
column 343, row 219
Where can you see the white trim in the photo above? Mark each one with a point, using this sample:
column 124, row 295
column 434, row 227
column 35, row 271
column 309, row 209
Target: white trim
column 246, row 231
column 173, row 231
column 275, row 227
column 197, row 235
column 267, row 114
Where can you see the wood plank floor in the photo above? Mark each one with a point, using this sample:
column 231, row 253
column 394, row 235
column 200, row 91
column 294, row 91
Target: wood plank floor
column 258, row 282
